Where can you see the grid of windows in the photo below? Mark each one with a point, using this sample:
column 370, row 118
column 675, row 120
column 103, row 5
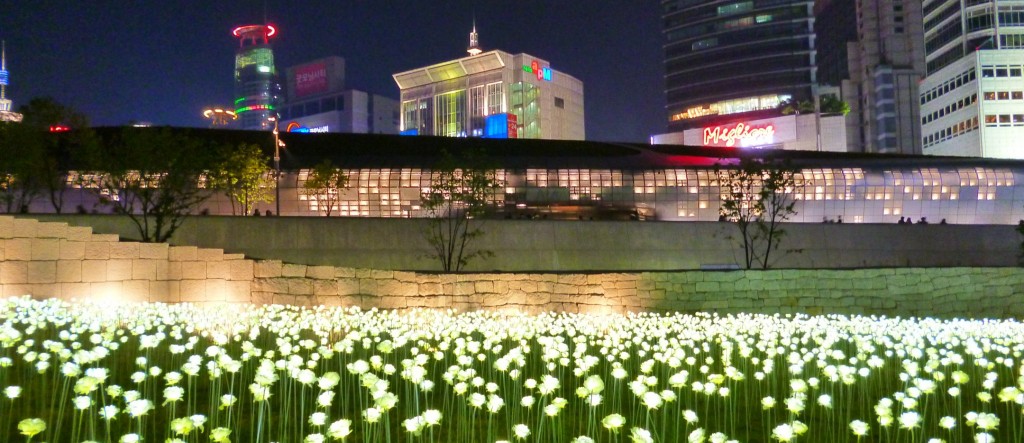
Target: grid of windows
column 694, row 194
column 947, row 86
column 997, row 120
column 449, row 109
column 950, row 108
column 955, row 130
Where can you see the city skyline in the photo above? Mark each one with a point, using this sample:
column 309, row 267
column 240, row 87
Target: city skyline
column 165, row 63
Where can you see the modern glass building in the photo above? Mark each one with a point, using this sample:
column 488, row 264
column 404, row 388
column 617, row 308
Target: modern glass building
column 491, row 94
column 580, row 181
column 257, row 91
column 972, row 101
column 735, row 57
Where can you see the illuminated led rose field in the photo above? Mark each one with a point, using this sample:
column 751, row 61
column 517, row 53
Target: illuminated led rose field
column 180, row 373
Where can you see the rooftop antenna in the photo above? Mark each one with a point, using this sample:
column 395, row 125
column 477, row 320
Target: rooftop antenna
column 474, row 41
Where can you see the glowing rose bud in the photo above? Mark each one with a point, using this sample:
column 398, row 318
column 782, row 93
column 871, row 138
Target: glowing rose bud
column 29, row 427
column 340, row 429
column 521, row 431
column 613, row 422
column 12, row 392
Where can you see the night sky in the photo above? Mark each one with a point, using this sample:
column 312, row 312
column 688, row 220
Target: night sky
column 164, row 61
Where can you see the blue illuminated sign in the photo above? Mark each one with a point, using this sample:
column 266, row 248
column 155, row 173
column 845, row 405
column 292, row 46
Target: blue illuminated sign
column 3, row 77
column 410, row 132
column 496, row 126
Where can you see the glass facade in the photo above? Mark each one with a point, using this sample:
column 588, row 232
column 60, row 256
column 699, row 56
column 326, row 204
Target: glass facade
column 718, row 51
column 964, row 195
column 257, row 91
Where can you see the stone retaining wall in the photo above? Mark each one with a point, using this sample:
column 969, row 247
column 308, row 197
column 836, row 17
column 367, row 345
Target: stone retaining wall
column 55, row 260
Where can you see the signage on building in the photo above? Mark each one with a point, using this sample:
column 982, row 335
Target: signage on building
column 740, row 134
column 504, row 125
column 310, row 79
column 297, row 128
column 542, row 73
column 744, row 134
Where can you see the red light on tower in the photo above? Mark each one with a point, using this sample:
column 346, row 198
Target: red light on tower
column 254, row 33
column 59, row 128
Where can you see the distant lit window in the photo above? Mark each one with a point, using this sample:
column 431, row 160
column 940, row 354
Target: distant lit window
column 700, row 45
column 763, row 18
column 735, row 8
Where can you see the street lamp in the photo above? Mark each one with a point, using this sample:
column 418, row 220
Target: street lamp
column 278, row 144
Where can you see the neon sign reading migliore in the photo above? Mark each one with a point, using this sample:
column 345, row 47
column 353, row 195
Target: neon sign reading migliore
column 743, row 133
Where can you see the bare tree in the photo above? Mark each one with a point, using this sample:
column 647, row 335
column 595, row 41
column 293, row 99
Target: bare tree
column 758, row 198
column 460, row 191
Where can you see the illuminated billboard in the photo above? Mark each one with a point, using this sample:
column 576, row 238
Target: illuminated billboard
column 310, row 79
column 744, row 134
column 503, row 125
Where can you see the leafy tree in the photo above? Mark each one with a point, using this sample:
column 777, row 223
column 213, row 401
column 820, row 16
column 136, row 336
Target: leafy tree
column 21, row 154
column 830, row 104
column 244, row 176
column 152, row 177
column 51, row 152
column 757, row 198
column 460, row 191
column 324, row 185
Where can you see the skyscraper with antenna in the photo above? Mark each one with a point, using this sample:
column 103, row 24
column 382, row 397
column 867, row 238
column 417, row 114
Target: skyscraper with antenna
column 6, row 115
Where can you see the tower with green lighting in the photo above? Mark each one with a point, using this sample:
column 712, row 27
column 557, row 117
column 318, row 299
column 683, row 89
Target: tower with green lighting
column 257, row 91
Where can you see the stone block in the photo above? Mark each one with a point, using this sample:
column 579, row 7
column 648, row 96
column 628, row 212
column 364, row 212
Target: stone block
column 193, row 270
column 193, row 290
column 210, row 254
column 300, row 286
column 392, row 303
column 23, row 228
column 368, row 286
column 74, row 291
column 408, row 277
column 173, row 271
column 380, row 275
column 41, row 272
column 573, row 279
column 45, row 248
column 464, row 288
column 293, row 270
column 241, row 270
column 124, row 250
column 183, row 253
column 119, row 270
column 110, row 238
column 94, row 271
column 267, row 269
column 344, row 272
column 154, row 251
column 18, row 249
column 233, row 256
column 97, row 250
column 271, row 285
column 105, row 290
column 320, row 272
column 348, row 286
column 138, row 289
column 71, row 250
column 482, row 287
column 262, row 298
column 79, row 233
column 395, row 287
column 430, row 289
column 6, row 226
column 69, row 271
column 218, row 269
column 216, row 289
column 13, row 272
column 144, row 269
column 325, row 287
column 160, row 291
column 238, row 291
column 560, row 288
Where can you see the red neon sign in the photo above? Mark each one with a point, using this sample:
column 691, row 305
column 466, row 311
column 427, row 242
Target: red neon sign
column 59, row 128
column 743, row 133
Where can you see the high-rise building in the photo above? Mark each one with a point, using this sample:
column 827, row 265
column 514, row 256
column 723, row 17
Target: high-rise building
column 257, row 91
column 6, row 114
column 972, row 100
column 874, row 50
column 727, row 62
column 317, row 101
column 491, row 94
